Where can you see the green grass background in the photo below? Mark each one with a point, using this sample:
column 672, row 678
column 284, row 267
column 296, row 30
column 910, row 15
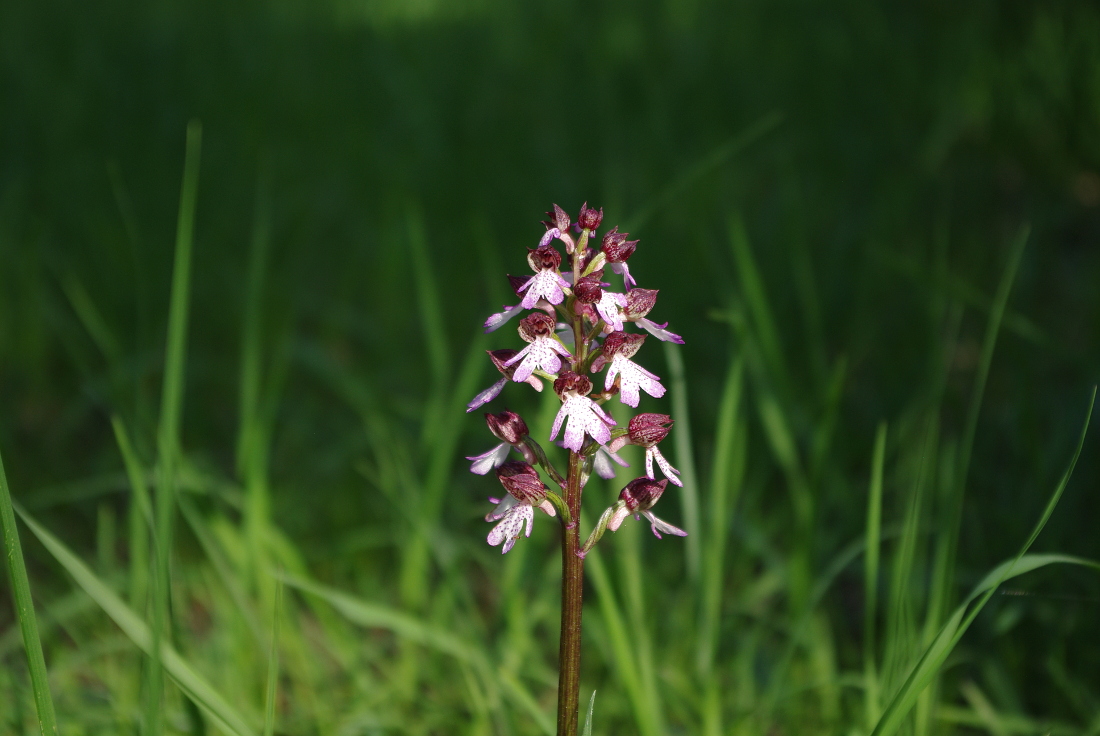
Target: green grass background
column 876, row 227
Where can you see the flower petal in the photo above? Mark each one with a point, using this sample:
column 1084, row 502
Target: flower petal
column 669, row 471
column 486, row 396
column 659, row 331
column 659, row 525
column 497, row 320
column 510, row 526
column 486, row 461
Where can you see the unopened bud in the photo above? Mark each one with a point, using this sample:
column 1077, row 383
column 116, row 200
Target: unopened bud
column 639, row 302
column 589, row 289
column 590, row 219
column 641, row 494
column 522, row 481
column 507, row 426
column 616, row 246
column 536, row 325
column 570, row 382
column 648, row 429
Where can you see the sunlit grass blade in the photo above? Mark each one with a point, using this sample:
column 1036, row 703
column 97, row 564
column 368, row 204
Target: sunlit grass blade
column 952, row 631
column 726, row 478
column 587, row 729
column 946, row 558
column 24, row 611
column 870, row 579
column 273, row 663
column 943, row 578
column 170, row 419
column 194, row 686
column 141, row 517
column 685, row 457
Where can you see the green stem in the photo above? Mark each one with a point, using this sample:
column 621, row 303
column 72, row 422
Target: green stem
column 572, row 589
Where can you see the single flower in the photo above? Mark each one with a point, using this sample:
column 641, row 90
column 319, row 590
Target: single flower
column 638, row 304
column 647, row 430
column 619, row 348
column 617, row 249
column 544, row 348
column 500, row 358
column 637, row 498
column 516, row 511
column 547, row 283
column 510, row 429
column 610, row 308
column 585, row 415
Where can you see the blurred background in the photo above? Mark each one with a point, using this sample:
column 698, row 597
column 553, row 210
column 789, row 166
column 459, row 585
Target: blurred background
column 832, row 201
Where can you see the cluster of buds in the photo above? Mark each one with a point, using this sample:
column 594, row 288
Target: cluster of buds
column 576, row 326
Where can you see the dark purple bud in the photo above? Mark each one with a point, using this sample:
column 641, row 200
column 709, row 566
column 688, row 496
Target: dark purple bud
column 588, row 290
column 536, row 325
column 522, row 481
column 543, row 258
column 517, row 282
column 590, row 219
column 570, row 382
column 616, row 246
column 639, row 302
column 641, row 494
column 625, row 344
column 507, row 426
column 648, row 429
column 558, row 219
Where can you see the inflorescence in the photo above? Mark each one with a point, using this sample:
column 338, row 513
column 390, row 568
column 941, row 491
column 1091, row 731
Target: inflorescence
column 576, row 327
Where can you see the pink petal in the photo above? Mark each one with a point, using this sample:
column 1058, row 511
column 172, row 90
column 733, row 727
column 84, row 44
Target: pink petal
column 486, row 396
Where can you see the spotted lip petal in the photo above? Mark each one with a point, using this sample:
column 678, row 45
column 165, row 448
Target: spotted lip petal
column 651, row 454
column 546, row 285
column 540, row 354
column 510, row 526
column 585, row 417
column 631, row 378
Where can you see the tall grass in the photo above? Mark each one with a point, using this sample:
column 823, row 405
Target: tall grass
column 239, row 463
column 748, row 642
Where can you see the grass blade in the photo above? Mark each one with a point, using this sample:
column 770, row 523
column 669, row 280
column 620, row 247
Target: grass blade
column 587, row 731
column 273, row 663
column 193, row 685
column 689, row 494
column 24, row 610
column 169, row 430
column 952, row 631
column 870, row 578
